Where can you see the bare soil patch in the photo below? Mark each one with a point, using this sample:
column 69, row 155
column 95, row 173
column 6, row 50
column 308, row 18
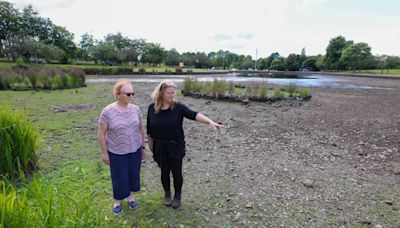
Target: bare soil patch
column 334, row 161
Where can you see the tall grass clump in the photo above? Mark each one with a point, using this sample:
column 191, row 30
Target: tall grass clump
column 13, row 209
column 40, row 204
column 76, row 77
column 263, row 92
column 197, row 86
column 187, row 84
column 231, row 88
column 31, row 74
column 5, row 79
column 291, row 89
column 304, row 92
column 219, row 87
column 18, row 141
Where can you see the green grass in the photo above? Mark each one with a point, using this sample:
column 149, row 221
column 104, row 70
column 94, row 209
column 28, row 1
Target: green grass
column 384, row 72
column 19, row 141
column 75, row 184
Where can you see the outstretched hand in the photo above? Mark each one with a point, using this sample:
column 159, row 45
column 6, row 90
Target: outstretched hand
column 216, row 126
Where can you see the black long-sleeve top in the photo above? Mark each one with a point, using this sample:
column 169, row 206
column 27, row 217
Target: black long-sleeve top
column 167, row 124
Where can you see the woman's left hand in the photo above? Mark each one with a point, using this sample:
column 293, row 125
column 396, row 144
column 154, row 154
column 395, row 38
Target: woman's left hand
column 216, row 126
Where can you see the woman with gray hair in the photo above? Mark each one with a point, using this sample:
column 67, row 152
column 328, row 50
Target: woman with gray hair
column 166, row 137
column 121, row 139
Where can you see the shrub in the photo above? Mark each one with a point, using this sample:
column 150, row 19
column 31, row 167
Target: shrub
column 279, row 94
column 99, row 70
column 124, row 70
column 178, row 70
column 304, row 92
column 142, row 70
column 18, row 142
column 5, row 79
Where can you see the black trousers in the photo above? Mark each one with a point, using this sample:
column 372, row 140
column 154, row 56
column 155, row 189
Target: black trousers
column 170, row 155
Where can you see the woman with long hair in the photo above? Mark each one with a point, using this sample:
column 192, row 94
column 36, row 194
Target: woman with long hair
column 166, row 137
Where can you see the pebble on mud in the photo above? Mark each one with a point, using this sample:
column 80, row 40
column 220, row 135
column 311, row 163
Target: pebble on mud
column 308, row 183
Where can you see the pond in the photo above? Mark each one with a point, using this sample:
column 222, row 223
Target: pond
column 306, row 81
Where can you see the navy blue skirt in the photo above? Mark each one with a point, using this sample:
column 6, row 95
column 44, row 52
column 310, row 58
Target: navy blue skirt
column 125, row 173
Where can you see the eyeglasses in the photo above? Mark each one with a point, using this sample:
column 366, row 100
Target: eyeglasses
column 128, row 94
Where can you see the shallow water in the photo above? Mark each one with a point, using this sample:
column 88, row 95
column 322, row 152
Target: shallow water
column 305, row 81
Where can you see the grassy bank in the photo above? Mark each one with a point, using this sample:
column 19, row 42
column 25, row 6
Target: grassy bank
column 71, row 166
column 383, row 72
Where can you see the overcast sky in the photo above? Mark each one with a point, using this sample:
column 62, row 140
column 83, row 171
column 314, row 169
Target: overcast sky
column 284, row 26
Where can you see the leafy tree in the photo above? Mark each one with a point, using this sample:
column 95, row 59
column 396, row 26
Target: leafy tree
column 357, row 56
column 118, row 41
column 172, row 57
column 392, row 62
column 247, row 62
column 262, row 64
column 153, row 53
column 9, row 27
column 188, row 58
column 63, row 39
column 310, row 63
column 292, row 62
column 270, row 59
column 50, row 52
column 302, row 57
column 86, row 43
column 19, row 30
column 201, row 60
column 104, row 52
column 278, row 64
column 30, row 22
column 334, row 53
column 135, row 50
column 320, row 63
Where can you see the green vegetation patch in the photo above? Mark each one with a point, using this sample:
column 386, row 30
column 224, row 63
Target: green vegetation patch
column 224, row 90
column 19, row 140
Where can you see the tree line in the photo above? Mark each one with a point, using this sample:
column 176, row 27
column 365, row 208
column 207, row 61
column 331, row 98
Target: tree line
column 25, row 35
